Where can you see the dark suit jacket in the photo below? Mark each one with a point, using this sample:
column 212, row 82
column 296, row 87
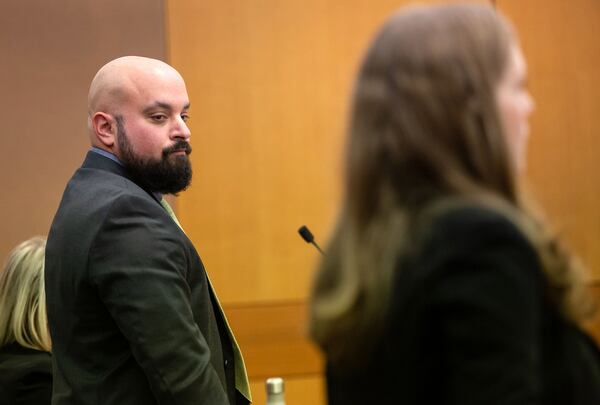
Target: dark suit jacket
column 469, row 324
column 25, row 376
column 131, row 315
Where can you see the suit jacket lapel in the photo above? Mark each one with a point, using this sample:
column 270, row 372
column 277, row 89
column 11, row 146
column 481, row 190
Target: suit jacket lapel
column 241, row 375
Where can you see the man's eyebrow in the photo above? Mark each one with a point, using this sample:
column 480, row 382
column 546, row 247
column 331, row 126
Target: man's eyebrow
column 164, row 106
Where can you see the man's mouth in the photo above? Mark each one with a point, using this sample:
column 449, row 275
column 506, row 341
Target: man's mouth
column 179, row 149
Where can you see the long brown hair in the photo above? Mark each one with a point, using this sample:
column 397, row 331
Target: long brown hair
column 424, row 129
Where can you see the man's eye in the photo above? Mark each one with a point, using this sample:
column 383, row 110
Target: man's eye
column 185, row 117
column 158, row 117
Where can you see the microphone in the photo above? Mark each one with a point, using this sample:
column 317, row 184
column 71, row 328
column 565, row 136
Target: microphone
column 308, row 237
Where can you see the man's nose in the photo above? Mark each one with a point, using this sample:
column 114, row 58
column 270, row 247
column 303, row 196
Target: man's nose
column 181, row 130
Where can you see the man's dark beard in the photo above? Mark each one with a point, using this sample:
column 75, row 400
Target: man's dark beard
column 167, row 175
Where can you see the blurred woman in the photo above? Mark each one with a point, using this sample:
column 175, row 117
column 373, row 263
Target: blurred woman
column 25, row 362
column 440, row 285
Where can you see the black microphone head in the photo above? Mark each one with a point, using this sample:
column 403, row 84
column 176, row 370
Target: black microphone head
column 306, row 234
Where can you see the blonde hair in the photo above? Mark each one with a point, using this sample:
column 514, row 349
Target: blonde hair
column 23, row 316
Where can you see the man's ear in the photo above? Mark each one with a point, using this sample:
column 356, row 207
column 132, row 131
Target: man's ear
column 104, row 127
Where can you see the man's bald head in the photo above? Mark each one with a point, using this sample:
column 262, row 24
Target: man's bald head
column 124, row 86
column 121, row 78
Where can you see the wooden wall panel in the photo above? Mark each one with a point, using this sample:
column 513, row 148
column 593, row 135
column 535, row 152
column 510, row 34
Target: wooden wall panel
column 273, row 339
column 269, row 82
column 50, row 53
column 560, row 41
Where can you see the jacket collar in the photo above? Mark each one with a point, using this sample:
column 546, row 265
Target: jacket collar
column 96, row 161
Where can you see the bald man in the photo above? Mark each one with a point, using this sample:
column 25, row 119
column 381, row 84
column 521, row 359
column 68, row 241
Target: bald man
column 132, row 314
